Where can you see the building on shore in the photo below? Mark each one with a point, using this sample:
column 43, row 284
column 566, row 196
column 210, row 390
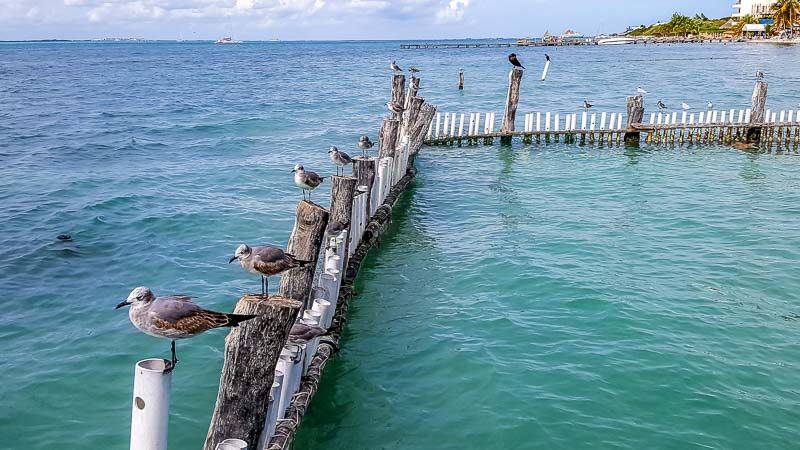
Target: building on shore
column 756, row 8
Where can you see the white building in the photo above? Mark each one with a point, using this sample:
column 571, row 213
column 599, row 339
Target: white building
column 755, row 8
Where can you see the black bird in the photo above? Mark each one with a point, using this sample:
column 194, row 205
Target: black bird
column 512, row 58
column 547, row 56
column 64, row 238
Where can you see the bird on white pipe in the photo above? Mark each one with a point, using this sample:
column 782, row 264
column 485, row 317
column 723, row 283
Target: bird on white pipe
column 339, row 158
column 661, row 105
column 710, row 105
column 587, row 105
column 266, row 261
column 685, row 106
column 174, row 317
column 395, row 68
column 306, row 180
column 301, row 333
column 365, row 144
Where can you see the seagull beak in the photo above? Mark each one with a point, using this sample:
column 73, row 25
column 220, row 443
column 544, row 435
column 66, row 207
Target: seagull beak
column 233, row 259
column 124, row 303
column 293, row 171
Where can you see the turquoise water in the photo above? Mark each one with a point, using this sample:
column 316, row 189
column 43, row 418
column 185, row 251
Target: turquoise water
column 528, row 297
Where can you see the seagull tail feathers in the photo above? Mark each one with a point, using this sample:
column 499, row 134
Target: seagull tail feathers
column 299, row 262
column 234, row 320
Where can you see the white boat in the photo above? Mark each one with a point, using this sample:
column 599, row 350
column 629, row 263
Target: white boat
column 227, row 40
column 616, row 41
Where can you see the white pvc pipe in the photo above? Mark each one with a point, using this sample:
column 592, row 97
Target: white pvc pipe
column 332, row 262
column 546, row 68
column 285, row 365
column 323, row 307
column 298, row 351
column 151, row 393
column 328, row 281
column 272, row 412
column 232, row 444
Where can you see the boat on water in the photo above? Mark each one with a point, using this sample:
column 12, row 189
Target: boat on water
column 227, row 40
column 616, row 41
column 571, row 34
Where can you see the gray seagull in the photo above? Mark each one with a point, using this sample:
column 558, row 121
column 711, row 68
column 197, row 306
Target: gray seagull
column 266, row 261
column 365, row 144
column 339, row 158
column 306, row 180
column 413, row 70
column 661, row 105
column 301, row 333
column 587, row 105
column 395, row 107
column 174, row 317
column 395, row 68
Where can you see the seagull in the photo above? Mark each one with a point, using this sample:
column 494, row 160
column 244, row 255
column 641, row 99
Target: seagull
column 395, row 107
column 587, row 105
column 413, row 70
column 339, row 158
column 336, row 227
column 174, row 317
column 306, row 180
column 661, row 105
column 266, row 261
column 710, row 105
column 641, row 91
column 685, row 106
column 302, row 333
column 759, row 75
column 395, row 68
column 365, row 144
column 512, row 58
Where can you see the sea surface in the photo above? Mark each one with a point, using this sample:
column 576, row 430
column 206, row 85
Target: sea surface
column 547, row 297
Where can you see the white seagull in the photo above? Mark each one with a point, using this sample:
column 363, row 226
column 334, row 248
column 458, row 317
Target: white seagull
column 639, row 90
column 685, row 106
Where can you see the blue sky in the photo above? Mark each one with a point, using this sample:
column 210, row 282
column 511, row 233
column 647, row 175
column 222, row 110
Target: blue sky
column 332, row 19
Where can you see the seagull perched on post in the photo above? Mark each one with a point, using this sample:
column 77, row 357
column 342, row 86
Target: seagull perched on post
column 413, row 70
column 685, row 106
column 587, row 105
column 339, row 158
column 512, row 58
column 395, row 68
column 395, row 107
column 640, row 91
column 710, row 105
column 661, row 105
column 306, row 180
column 302, row 333
column 365, row 144
column 174, row 317
column 266, row 261
column 759, row 75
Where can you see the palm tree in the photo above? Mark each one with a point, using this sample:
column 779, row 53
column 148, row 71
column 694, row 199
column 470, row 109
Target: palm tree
column 746, row 20
column 786, row 13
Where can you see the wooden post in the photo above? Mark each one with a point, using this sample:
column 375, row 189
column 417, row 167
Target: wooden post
column 512, row 100
column 424, row 119
column 410, row 118
column 387, row 137
column 364, row 172
column 304, row 243
column 399, row 92
column 342, row 191
column 461, row 79
column 635, row 115
column 413, row 88
column 251, row 352
column 757, row 116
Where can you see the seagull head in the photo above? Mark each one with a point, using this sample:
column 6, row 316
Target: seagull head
column 242, row 251
column 140, row 294
column 298, row 168
column 333, row 149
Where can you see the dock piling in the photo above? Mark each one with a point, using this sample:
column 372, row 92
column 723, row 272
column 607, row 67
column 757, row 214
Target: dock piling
column 512, row 100
column 757, row 114
column 635, row 107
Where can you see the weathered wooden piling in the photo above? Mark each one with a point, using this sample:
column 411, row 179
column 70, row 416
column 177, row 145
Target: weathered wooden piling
column 342, row 192
column 635, row 106
column 251, row 352
column 413, row 89
column 461, row 79
column 512, row 100
column 757, row 115
column 399, row 92
column 364, row 172
column 387, row 137
column 305, row 244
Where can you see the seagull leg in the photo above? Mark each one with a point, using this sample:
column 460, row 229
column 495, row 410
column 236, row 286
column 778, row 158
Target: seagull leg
column 263, row 289
column 266, row 287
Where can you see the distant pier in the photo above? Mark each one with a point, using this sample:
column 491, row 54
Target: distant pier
column 563, row 42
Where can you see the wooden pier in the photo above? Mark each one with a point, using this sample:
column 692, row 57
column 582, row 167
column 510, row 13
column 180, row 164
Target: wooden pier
column 641, row 40
column 267, row 381
column 764, row 128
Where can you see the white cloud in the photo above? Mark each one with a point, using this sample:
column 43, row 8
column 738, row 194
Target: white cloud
column 452, row 12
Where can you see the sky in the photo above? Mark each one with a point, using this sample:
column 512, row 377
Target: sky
column 333, row 19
